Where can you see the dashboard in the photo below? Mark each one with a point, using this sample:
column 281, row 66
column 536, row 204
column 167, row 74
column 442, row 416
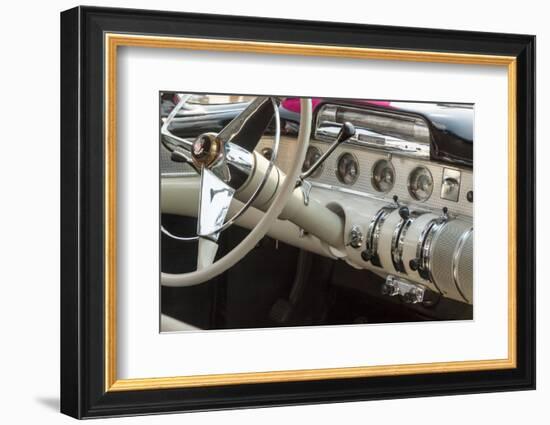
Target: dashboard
column 406, row 202
column 408, row 217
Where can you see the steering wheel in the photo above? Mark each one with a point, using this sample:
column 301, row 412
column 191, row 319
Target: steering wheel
column 228, row 166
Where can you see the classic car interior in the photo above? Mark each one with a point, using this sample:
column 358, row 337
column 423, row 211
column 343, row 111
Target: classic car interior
column 295, row 212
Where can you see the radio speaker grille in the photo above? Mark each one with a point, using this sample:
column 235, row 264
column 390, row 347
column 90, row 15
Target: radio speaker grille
column 442, row 252
column 466, row 267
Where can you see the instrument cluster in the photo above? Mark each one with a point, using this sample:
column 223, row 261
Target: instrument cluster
column 420, row 182
column 363, row 171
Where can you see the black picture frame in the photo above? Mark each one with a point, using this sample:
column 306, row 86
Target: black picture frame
column 83, row 392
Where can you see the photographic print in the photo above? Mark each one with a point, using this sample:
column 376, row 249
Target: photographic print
column 378, row 227
column 261, row 212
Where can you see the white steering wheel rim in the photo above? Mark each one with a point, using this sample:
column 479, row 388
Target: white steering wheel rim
column 259, row 231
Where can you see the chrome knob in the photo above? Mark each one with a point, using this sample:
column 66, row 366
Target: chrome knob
column 404, row 213
column 355, row 237
column 414, row 264
column 366, row 255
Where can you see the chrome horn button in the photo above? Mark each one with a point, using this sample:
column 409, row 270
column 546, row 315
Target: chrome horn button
column 206, row 149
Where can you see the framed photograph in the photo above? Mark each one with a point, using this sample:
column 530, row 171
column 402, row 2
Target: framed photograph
column 261, row 212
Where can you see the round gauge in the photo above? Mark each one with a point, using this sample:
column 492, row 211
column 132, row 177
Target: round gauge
column 420, row 183
column 347, row 168
column 312, row 155
column 383, row 175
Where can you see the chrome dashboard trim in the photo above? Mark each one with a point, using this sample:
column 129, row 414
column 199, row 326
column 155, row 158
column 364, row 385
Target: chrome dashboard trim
column 397, row 264
column 345, row 190
column 420, row 248
column 376, row 141
column 373, row 233
column 377, row 129
column 427, row 248
column 398, row 240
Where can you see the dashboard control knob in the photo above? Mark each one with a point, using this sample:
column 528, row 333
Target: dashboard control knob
column 355, row 237
column 366, row 256
column 346, row 132
column 404, row 213
column 414, row 264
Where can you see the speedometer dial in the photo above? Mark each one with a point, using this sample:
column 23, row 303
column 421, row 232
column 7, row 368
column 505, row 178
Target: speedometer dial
column 421, row 183
column 382, row 176
column 347, row 169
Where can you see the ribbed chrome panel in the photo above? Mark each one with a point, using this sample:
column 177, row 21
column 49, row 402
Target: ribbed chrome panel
column 465, row 267
column 443, row 248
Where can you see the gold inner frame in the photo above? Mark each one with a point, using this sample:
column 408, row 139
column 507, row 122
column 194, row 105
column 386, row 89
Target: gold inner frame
column 113, row 41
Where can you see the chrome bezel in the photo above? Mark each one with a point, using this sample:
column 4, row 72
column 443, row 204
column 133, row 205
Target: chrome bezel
column 427, row 249
column 373, row 182
column 397, row 263
column 337, row 173
column 373, row 232
column 398, row 241
column 420, row 246
column 409, row 185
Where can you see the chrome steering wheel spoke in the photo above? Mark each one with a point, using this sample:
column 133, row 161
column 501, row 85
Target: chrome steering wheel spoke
column 247, row 128
column 214, row 200
column 206, row 253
